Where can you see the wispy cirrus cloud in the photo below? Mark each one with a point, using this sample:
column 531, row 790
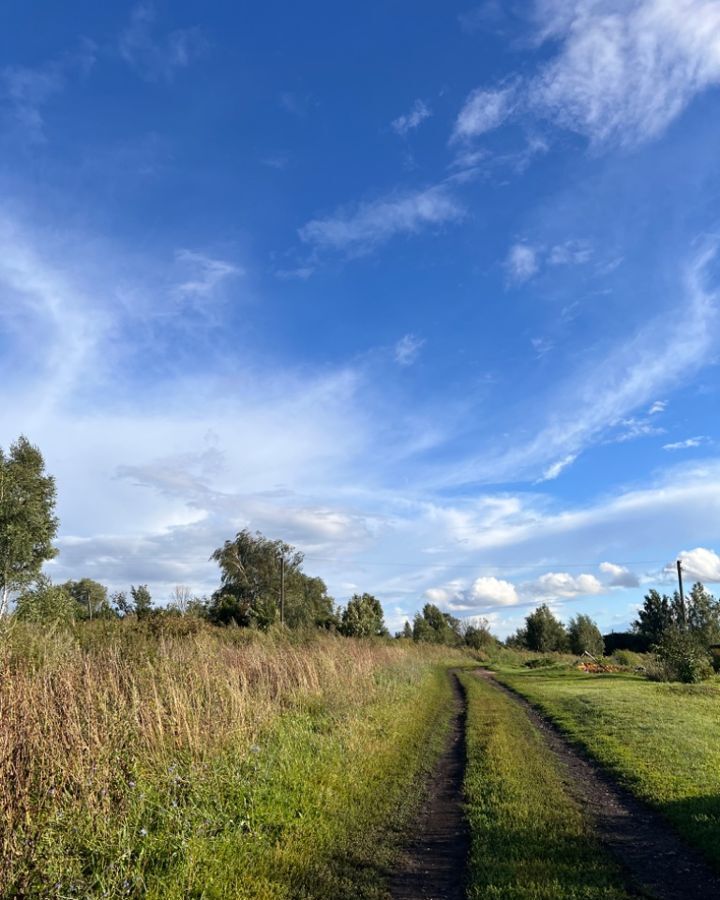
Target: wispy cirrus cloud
column 484, row 110
column 408, row 349
column 158, row 56
column 621, row 75
column 25, row 91
column 205, row 274
column 688, row 443
column 411, row 120
column 362, row 228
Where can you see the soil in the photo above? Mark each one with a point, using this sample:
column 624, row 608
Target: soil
column 656, row 861
column 433, row 866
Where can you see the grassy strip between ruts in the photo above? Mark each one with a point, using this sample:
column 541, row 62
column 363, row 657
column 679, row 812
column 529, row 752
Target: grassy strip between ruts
column 660, row 740
column 529, row 838
column 201, row 769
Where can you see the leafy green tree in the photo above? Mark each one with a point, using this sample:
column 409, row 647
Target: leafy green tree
column 407, row 631
column 703, row 615
column 518, row 640
column 46, row 603
column 544, row 632
column 307, row 603
column 363, row 617
column 91, row 597
column 120, row 603
column 655, row 616
column 27, row 521
column 436, row 627
column 478, row 636
column 584, row 636
column 141, row 601
column 249, row 591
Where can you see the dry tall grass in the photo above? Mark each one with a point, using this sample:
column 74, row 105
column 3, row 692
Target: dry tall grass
column 82, row 717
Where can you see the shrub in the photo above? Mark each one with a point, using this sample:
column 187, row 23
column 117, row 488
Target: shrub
column 682, row 658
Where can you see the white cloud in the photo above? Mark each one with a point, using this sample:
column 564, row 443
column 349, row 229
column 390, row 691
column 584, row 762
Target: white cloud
column 411, row 120
column 572, row 252
column 490, row 591
column 206, row 273
column 26, row 91
column 624, row 72
column 618, row 576
column 158, row 57
column 700, row 563
column 657, row 408
column 562, row 586
column 375, row 222
column 554, row 470
column 688, row 443
column 483, row 111
column 522, row 262
column 407, row 349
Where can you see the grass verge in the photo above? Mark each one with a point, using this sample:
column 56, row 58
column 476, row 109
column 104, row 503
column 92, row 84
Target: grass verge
column 659, row 740
column 529, row 838
column 211, row 767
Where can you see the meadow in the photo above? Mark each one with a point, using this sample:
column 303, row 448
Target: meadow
column 213, row 764
column 658, row 739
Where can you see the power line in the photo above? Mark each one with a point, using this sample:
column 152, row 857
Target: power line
column 476, row 566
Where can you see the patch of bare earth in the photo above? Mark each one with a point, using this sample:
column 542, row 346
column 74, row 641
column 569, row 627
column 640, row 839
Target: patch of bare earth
column 433, row 866
column 656, row 861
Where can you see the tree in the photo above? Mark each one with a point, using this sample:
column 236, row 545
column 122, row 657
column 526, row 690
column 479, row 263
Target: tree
column 436, row 627
column 703, row 615
column 91, row 597
column 250, row 579
column 27, row 521
column 142, row 601
column 121, row 604
column 655, row 616
column 406, row 632
column 307, row 603
column 363, row 617
column 544, row 633
column 46, row 603
column 584, row 636
column 478, row 636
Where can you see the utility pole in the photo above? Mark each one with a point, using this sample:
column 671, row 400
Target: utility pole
column 682, row 595
column 282, row 590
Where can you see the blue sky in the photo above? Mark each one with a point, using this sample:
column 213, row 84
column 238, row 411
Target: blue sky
column 429, row 290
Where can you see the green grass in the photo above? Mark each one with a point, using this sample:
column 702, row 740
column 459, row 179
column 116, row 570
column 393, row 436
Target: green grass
column 661, row 740
column 529, row 838
column 306, row 790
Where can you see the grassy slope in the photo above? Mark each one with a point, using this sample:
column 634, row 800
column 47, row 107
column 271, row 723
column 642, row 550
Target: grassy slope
column 529, row 839
column 199, row 767
column 661, row 740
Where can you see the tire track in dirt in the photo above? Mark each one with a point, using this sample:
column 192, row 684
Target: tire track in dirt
column 655, row 859
column 433, row 866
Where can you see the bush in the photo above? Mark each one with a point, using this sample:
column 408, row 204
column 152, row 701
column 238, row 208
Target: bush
column 682, row 658
column 628, row 659
column 541, row 663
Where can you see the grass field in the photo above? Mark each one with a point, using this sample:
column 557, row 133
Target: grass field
column 209, row 765
column 660, row 740
column 529, row 839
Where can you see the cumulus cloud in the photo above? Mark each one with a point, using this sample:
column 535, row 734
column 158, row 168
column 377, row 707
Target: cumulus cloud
column 373, row 223
column 618, row 576
column 483, row 111
column 562, row 586
column 490, row 591
column 701, row 563
column 411, row 120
